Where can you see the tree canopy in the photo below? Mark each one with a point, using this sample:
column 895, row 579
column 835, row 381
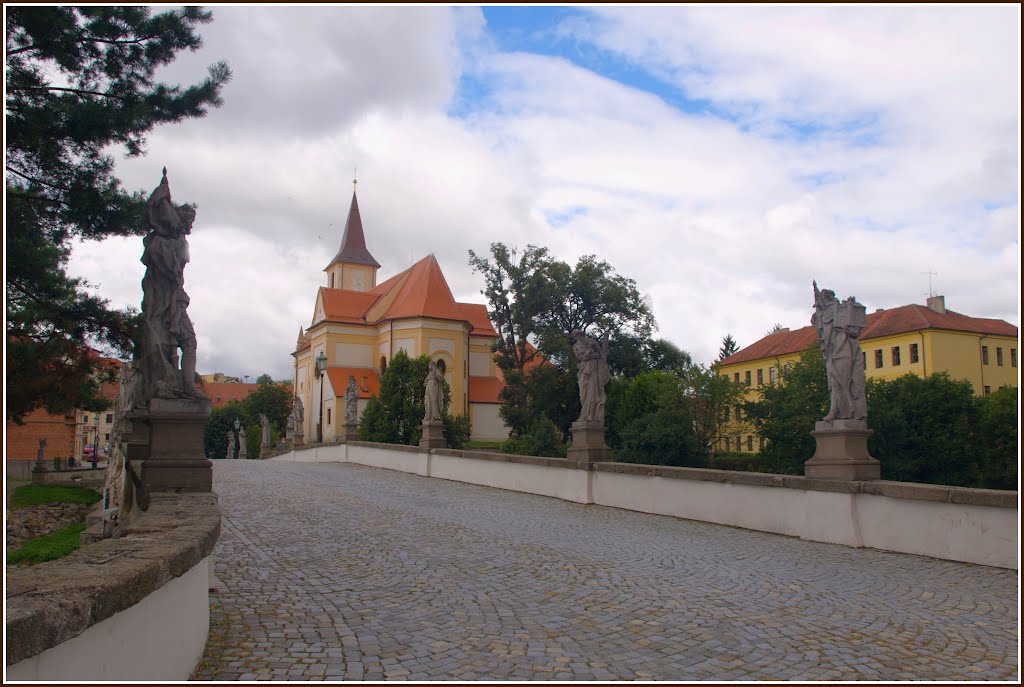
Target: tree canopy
column 79, row 81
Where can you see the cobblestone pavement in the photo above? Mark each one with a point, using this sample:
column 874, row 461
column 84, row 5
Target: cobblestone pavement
column 345, row 572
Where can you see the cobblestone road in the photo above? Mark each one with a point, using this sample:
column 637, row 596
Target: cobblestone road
column 344, row 572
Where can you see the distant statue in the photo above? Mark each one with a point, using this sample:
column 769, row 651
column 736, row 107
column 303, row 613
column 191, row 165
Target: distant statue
column 41, row 454
column 433, row 394
column 231, row 452
column 593, row 375
column 238, row 435
column 265, row 425
column 298, row 414
column 351, row 402
column 839, row 325
column 242, row 451
column 167, row 326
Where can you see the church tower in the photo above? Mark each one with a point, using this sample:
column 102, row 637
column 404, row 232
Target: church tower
column 353, row 268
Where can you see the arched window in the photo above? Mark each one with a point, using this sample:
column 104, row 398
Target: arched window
column 383, row 364
column 331, row 285
column 441, row 366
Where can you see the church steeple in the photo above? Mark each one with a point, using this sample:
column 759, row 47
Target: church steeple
column 353, row 243
column 353, row 267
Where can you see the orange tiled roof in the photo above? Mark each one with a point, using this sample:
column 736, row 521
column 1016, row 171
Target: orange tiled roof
column 339, row 380
column 221, row 393
column 485, row 389
column 424, row 294
column 476, row 315
column 341, row 305
column 906, row 318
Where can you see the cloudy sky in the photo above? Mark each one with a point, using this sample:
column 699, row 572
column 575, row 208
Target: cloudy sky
column 722, row 157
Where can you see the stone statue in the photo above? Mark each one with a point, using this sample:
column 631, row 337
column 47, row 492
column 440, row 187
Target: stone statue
column 241, row 450
column 167, row 326
column 433, row 395
column 238, row 434
column 297, row 413
column 41, row 455
column 265, row 425
column 231, row 452
column 593, row 375
column 839, row 325
column 351, row 402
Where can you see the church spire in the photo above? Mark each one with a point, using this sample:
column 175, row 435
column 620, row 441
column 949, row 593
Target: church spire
column 353, row 243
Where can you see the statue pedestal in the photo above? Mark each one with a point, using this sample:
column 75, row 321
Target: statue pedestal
column 175, row 460
column 433, row 435
column 842, row 452
column 351, row 432
column 588, row 445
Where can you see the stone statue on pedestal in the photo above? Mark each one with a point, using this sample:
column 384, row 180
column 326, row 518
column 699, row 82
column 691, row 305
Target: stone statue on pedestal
column 351, row 402
column 433, row 395
column 231, row 452
column 838, row 326
column 593, row 375
column 167, row 326
column 265, row 426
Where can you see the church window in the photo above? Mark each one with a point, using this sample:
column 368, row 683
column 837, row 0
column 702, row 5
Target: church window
column 441, row 366
column 383, row 364
column 878, row 358
column 913, row 353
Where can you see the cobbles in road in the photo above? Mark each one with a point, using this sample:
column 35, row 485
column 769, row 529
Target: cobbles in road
column 344, row 572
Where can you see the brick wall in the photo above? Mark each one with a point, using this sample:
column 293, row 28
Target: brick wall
column 58, row 430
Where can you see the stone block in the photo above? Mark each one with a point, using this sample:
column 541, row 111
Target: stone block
column 842, row 452
column 433, row 435
column 588, row 446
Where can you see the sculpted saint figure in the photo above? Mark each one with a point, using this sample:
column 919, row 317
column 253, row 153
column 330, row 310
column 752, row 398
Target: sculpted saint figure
column 433, row 395
column 167, row 326
column 351, row 401
column 265, row 425
column 593, row 375
column 238, row 436
column 231, row 452
column 838, row 325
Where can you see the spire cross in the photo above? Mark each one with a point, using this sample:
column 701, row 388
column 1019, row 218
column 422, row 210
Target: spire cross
column 353, row 178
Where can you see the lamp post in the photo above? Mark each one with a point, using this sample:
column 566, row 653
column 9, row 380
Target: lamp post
column 321, row 368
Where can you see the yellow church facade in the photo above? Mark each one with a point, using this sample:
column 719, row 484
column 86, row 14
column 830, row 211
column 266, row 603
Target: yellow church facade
column 911, row 339
column 359, row 325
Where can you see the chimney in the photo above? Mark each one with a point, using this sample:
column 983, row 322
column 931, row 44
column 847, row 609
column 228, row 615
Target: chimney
column 937, row 303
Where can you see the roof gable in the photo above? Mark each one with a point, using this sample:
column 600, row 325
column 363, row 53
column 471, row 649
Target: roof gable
column 353, row 243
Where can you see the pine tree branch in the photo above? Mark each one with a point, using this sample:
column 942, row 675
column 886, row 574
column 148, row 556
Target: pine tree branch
column 77, row 91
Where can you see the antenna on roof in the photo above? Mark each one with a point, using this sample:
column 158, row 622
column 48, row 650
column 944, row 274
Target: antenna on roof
column 931, row 293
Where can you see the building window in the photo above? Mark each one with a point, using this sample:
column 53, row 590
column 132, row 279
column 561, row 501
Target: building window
column 328, row 416
column 750, row 442
column 913, row 354
column 739, row 446
column 110, row 418
column 760, row 443
column 736, row 377
column 771, row 375
column 85, row 419
column 988, row 390
column 746, row 377
column 106, row 437
column 1013, row 357
column 727, row 443
column 895, row 355
column 442, row 368
column 383, row 364
column 878, row 358
column 737, row 413
column 331, row 285
column 984, row 355
column 760, row 377
column 999, row 356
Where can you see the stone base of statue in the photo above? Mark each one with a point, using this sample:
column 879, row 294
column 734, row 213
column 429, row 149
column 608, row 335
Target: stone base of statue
column 264, row 450
column 588, row 445
column 351, row 433
column 433, row 435
column 175, row 458
column 842, row 452
column 298, row 439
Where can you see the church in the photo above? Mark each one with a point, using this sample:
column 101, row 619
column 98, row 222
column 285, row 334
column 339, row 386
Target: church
column 358, row 325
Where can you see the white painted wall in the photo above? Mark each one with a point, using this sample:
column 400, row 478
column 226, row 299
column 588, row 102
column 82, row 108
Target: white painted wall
column 487, row 424
column 161, row 638
column 972, row 534
column 480, row 364
column 353, row 355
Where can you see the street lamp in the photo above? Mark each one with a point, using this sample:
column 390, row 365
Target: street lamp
column 321, row 368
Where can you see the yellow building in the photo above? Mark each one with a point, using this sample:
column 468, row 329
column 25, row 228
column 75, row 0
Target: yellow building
column 359, row 325
column 914, row 339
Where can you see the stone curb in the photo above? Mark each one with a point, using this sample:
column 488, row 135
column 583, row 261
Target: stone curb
column 50, row 603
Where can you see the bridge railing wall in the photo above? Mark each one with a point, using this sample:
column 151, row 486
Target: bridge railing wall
column 953, row 523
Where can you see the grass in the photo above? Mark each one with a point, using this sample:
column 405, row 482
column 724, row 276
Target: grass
column 495, row 445
column 49, row 548
column 34, row 494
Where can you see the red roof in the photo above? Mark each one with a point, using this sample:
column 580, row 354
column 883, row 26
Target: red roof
column 485, row 389
column 339, row 380
column 424, row 294
column 476, row 315
column 221, row 393
column 906, row 318
column 342, row 305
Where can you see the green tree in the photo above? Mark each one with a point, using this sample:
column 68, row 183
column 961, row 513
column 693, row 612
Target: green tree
column 270, row 398
column 215, row 432
column 786, row 411
column 924, row 429
column 709, row 395
column 998, row 438
column 80, row 80
column 541, row 438
column 264, row 379
column 728, row 348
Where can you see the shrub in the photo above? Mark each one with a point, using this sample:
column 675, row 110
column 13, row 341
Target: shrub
column 457, row 429
column 659, row 439
column 542, row 438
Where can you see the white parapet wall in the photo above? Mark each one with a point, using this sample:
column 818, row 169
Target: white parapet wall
column 161, row 638
column 953, row 523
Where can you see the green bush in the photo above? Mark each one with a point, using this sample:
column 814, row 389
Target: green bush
column 49, row 548
column 659, row 439
column 543, row 438
column 457, row 429
column 33, row 494
column 740, row 462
